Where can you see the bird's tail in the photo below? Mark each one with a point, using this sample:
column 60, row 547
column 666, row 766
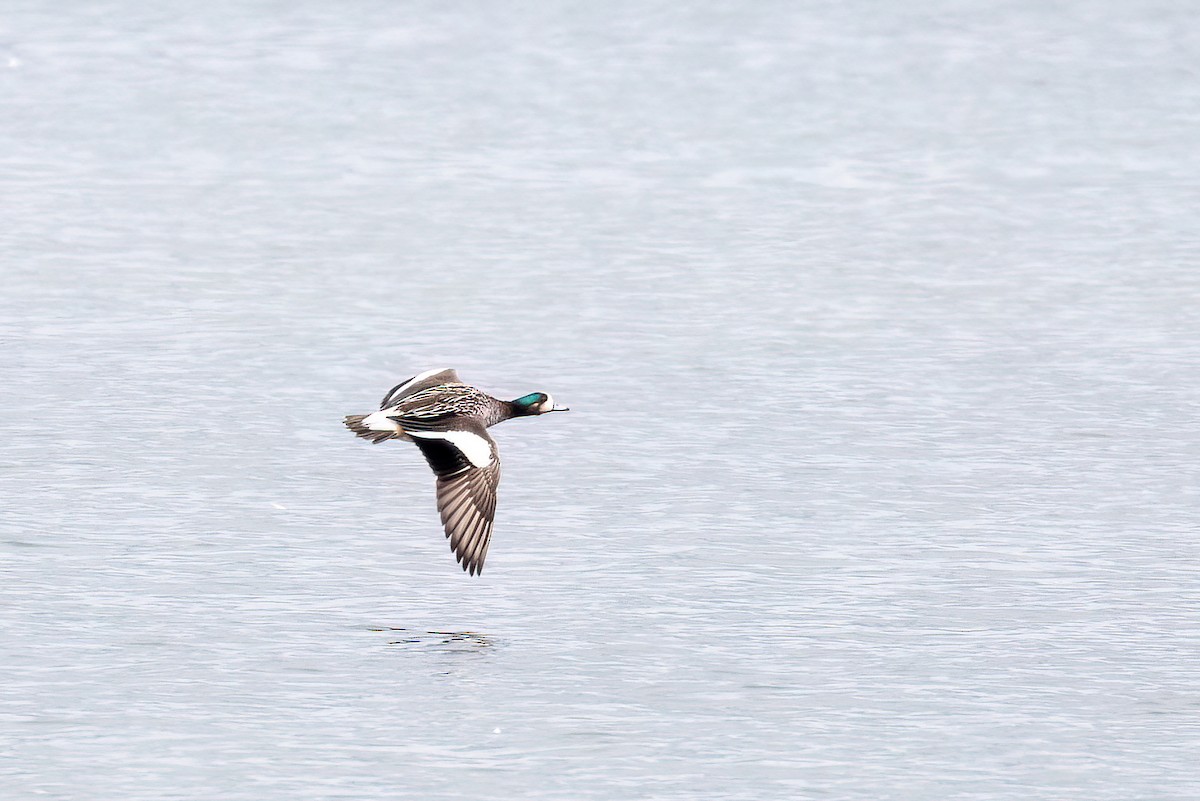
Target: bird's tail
column 361, row 427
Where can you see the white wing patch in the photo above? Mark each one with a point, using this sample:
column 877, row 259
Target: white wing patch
column 418, row 377
column 378, row 421
column 477, row 449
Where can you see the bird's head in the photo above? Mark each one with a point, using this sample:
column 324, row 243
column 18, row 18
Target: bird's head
column 535, row 403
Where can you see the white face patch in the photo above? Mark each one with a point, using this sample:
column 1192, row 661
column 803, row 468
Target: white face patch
column 546, row 405
column 477, row 449
column 378, row 421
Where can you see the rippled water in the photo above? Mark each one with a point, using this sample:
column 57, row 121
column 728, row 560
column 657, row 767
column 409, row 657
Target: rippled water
column 879, row 324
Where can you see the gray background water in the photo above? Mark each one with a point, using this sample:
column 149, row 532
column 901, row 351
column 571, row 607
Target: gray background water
column 879, row 323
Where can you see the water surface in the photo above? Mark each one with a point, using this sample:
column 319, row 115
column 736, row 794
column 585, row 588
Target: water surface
column 879, row 326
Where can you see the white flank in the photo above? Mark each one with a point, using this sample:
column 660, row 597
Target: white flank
column 477, row 449
column 378, row 421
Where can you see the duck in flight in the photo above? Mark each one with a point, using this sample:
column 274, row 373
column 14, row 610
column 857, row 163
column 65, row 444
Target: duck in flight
column 448, row 421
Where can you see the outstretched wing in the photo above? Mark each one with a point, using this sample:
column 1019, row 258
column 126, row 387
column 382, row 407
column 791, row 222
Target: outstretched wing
column 468, row 472
column 420, row 381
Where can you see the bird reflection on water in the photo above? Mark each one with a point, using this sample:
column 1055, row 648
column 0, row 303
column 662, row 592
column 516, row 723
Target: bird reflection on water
column 456, row 640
